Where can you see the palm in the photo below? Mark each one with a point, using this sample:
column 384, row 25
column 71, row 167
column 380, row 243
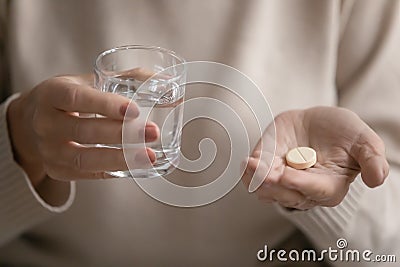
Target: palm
column 345, row 145
column 330, row 131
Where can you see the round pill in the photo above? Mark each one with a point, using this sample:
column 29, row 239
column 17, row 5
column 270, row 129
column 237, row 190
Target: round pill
column 301, row 158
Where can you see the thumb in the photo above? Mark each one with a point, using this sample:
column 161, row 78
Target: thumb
column 369, row 151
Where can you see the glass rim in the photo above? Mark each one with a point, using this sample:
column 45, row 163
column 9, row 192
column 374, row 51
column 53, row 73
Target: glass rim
column 139, row 47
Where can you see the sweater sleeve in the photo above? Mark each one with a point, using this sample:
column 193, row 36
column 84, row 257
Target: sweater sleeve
column 21, row 207
column 368, row 82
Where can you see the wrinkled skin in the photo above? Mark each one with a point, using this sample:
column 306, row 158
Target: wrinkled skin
column 47, row 131
column 345, row 146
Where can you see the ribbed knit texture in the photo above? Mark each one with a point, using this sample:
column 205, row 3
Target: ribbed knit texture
column 20, row 206
column 300, row 53
column 323, row 223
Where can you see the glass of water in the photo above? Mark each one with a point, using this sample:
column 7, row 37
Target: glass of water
column 153, row 78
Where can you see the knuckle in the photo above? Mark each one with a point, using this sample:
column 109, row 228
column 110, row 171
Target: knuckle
column 76, row 130
column 99, row 175
column 288, row 183
column 332, row 192
column 287, row 202
column 268, row 183
column 109, row 106
column 42, row 91
column 38, row 123
column 324, row 193
column 70, row 97
column 84, row 131
column 77, row 161
column 53, row 172
column 334, row 202
column 311, row 203
column 79, row 133
column 118, row 132
column 45, row 153
column 281, row 117
column 293, row 203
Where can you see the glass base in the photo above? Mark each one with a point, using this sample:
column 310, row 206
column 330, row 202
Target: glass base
column 163, row 168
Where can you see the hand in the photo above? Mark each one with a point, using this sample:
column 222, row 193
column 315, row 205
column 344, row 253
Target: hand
column 345, row 145
column 47, row 133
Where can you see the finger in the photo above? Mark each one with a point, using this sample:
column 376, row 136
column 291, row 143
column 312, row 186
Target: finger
column 87, row 78
column 97, row 159
column 245, row 176
column 85, row 99
column 307, row 204
column 285, row 197
column 256, row 172
column 369, row 152
column 103, row 130
column 327, row 189
column 266, row 142
column 63, row 173
column 259, row 171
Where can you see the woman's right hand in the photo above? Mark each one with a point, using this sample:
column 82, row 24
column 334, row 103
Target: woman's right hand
column 46, row 132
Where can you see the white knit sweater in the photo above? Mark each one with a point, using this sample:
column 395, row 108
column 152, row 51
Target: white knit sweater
column 300, row 53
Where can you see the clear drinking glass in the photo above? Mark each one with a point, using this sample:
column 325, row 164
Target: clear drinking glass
column 153, row 78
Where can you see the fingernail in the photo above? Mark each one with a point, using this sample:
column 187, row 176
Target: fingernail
column 145, row 157
column 150, row 132
column 249, row 171
column 129, row 110
column 257, row 153
column 151, row 154
column 252, row 159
